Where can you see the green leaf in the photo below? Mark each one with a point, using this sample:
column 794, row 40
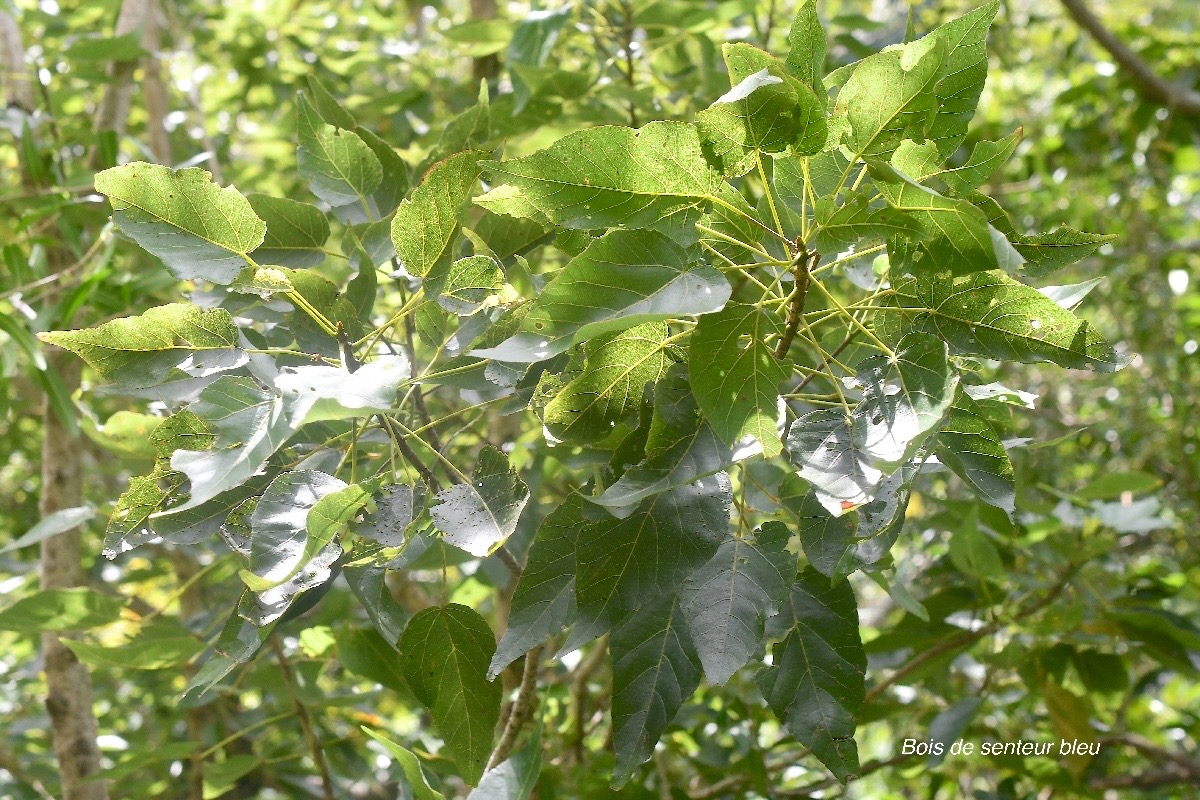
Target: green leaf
column 608, row 385
column 655, row 670
column 470, row 283
column 839, row 226
column 341, row 169
column 221, row 777
column 992, row 315
column 544, row 600
column 806, row 49
column 816, row 683
column 839, row 545
column 425, row 224
column 250, row 425
column 141, row 351
column 158, row 646
column 905, row 399
column 1046, row 252
column 61, row 610
column 482, row 514
column 972, row 448
column 285, row 559
column 890, row 96
column 199, row 231
column 326, row 105
column 444, row 657
column 767, row 110
column 680, row 448
column 727, row 600
column 965, row 41
column 409, row 765
column 239, row 641
column 986, row 157
column 332, row 513
column 624, row 563
column 51, row 525
column 364, row 652
column 296, row 232
column 394, row 184
column 736, row 376
column 959, row 235
column 608, row 175
column 319, row 393
column 56, row 392
column 369, row 584
column 972, row 552
column 629, row 277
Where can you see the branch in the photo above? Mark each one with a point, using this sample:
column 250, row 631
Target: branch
column 289, row 684
column 1173, row 96
column 522, row 709
column 800, row 273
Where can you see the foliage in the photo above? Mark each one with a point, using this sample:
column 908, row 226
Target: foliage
column 690, row 357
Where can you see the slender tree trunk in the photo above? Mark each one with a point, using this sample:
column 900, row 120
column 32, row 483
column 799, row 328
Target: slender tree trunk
column 484, row 67
column 68, row 683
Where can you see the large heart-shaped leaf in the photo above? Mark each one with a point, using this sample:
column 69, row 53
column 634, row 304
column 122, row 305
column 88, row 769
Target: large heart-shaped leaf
column 444, row 655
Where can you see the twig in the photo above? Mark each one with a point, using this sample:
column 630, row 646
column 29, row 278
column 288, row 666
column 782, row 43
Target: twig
column 579, row 693
column 522, row 708
column 837, row 351
column 422, row 469
column 804, row 263
column 1173, row 96
column 289, row 683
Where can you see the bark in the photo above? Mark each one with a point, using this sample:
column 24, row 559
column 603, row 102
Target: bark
column 1149, row 84
column 14, row 76
column 68, row 683
column 153, row 88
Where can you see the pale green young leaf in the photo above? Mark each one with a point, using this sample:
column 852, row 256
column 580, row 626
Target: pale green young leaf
column 606, row 176
column 608, row 385
column 629, row 277
column 655, row 670
column 735, row 375
column 480, row 515
column 816, row 683
column 992, row 315
column 141, row 351
column 470, row 282
column 200, row 231
column 727, row 600
column 296, row 232
column 444, row 655
column 426, row 223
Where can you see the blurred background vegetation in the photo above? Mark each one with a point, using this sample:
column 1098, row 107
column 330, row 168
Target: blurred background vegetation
column 1112, row 474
